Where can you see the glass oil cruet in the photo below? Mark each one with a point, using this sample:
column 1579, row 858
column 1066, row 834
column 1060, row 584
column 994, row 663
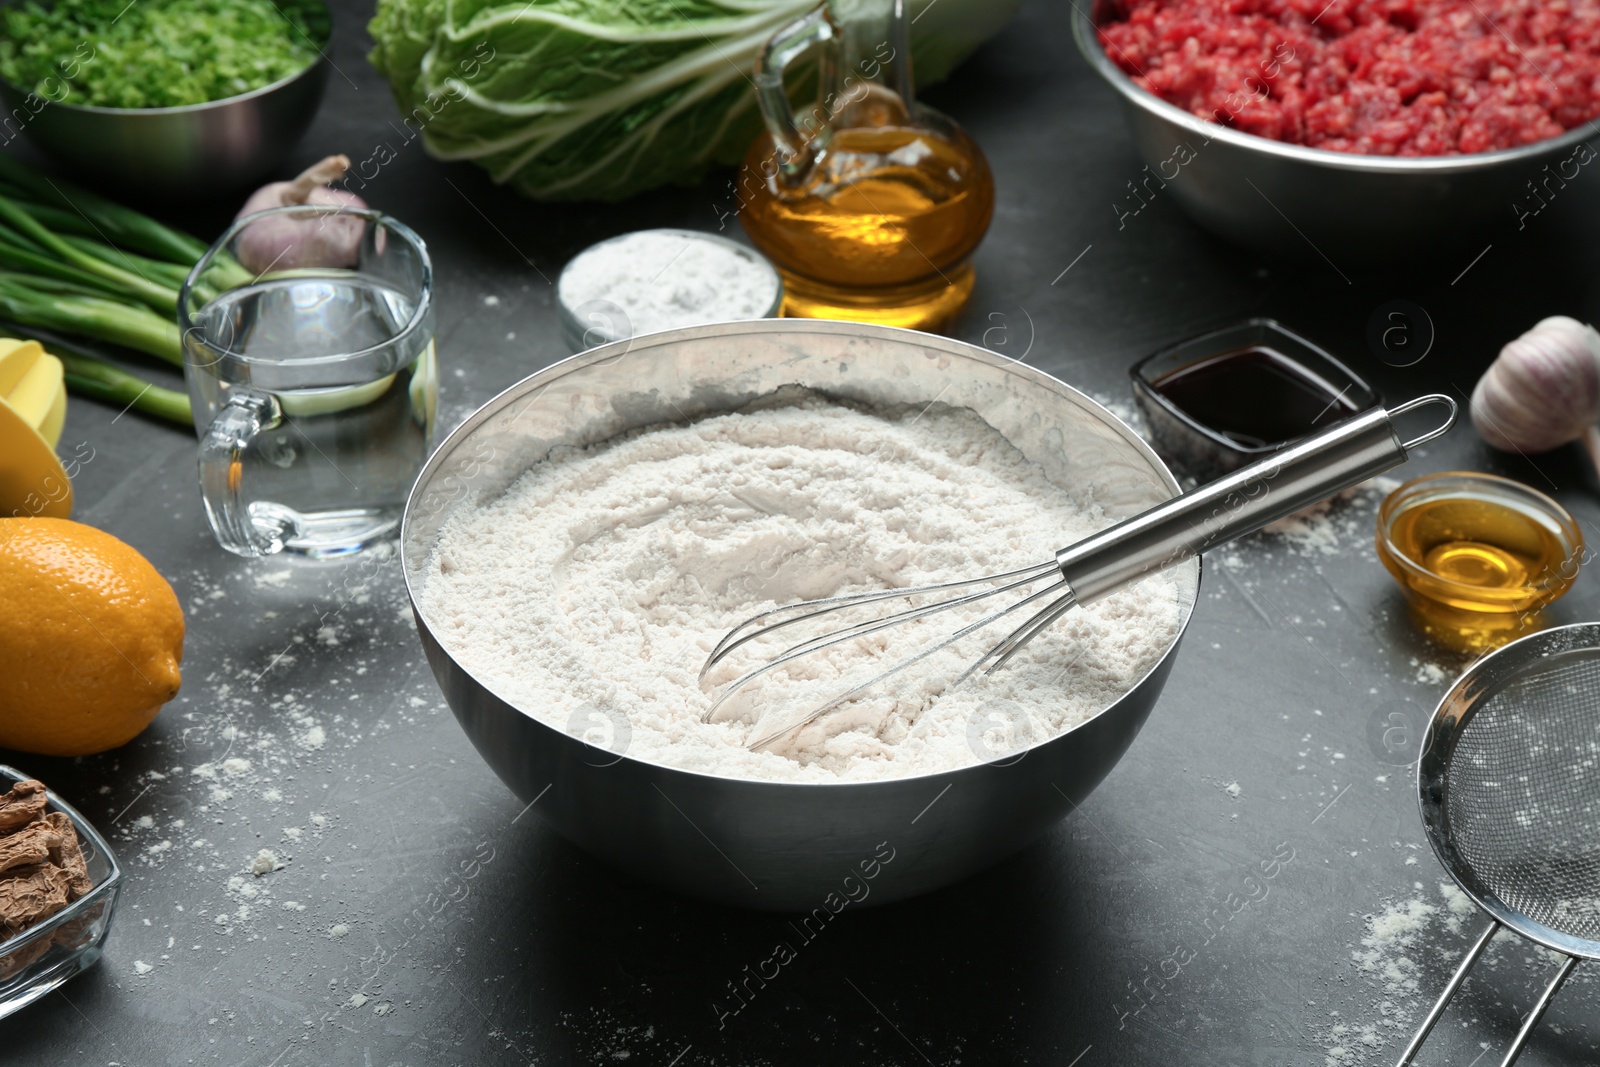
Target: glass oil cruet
column 869, row 203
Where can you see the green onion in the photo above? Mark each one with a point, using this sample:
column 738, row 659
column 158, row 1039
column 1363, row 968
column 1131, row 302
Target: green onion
column 22, row 257
column 75, row 263
column 171, row 275
column 157, row 296
column 71, row 308
column 58, row 219
column 109, row 221
column 20, row 239
column 90, row 376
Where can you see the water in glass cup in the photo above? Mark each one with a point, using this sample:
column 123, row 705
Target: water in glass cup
column 314, row 391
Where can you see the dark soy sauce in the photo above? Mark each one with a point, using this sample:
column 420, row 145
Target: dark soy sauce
column 1254, row 396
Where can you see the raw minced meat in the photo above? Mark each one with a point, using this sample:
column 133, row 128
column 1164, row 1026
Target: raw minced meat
column 1377, row 77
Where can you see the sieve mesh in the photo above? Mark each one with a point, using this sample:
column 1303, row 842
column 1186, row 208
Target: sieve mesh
column 1523, row 793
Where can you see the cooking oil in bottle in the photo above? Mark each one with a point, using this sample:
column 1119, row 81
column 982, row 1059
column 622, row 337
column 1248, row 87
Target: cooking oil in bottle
column 1478, row 555
column 869, row 204
column 882, row 228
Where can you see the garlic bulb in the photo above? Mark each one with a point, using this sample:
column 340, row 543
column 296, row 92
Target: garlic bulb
column 1543, row 390
column 329, row 240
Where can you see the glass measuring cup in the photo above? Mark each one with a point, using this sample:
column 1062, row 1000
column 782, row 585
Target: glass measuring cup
column 309, row 355
column 869, row 203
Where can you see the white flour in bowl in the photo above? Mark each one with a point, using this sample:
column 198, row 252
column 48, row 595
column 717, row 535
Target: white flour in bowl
column 590, row 592
column 666, row 278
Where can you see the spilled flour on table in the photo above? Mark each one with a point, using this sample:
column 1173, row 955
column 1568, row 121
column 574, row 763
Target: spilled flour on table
column 235, row 818
column 1389, row 957
column 1403, row 957
column 1431, row 673
column 1333, row 526
column 1386, row 949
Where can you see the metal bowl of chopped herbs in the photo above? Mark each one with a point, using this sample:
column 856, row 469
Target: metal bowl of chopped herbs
column 167, row 97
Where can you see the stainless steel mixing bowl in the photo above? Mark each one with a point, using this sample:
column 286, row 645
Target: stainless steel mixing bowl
column 773, row 845
column 1302, row 202
column 201, row 149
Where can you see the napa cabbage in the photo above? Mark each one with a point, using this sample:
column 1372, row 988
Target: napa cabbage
column 602, row 99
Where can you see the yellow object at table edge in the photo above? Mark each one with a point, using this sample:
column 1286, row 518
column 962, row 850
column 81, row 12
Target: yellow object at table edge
column 33, row 408
column 33, row 382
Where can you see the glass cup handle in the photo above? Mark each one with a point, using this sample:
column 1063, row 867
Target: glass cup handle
column 222, row 466
column 799, row 141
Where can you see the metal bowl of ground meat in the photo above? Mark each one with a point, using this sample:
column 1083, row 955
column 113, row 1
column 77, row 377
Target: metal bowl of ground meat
column 768, row 844
column 1318, row 205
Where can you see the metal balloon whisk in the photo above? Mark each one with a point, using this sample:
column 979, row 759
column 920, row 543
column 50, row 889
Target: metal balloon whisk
column 1296, row 476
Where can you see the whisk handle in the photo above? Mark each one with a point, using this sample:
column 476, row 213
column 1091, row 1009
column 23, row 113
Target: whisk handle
column 1240, row 503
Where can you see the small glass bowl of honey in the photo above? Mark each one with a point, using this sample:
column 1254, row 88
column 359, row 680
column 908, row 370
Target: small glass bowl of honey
column 1477, row 555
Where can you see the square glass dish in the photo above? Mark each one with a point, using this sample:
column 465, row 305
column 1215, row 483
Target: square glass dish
column 45, row 955
column 1217, row 402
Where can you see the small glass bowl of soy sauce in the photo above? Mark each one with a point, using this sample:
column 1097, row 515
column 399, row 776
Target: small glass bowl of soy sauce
column 1217, row 402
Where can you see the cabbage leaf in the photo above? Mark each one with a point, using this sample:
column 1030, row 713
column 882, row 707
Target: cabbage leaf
column 602, row 99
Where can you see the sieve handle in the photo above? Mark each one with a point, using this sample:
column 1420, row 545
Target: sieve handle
column 1529, row 1024
column 1448, row 995
column 1294, row 477
column 1537, row 1011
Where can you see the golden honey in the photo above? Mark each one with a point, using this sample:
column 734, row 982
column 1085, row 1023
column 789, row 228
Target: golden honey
column 1478, row 556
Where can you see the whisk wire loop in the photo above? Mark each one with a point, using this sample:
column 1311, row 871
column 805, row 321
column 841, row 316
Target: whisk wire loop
column 860, row 629
column 807, row 610
column 1018, row 638
column 767, row 736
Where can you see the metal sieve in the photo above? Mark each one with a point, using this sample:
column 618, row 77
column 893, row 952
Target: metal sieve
column 1509, row 785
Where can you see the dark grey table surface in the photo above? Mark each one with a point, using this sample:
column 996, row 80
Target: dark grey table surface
column 1210, row 904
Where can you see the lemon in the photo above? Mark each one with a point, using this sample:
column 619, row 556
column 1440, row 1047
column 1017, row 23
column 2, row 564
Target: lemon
column 90, row 638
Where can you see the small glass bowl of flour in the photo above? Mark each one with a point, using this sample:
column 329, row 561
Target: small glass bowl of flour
column 654, row 280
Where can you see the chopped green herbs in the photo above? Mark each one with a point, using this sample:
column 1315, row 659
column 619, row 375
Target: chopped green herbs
column 156, row 53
